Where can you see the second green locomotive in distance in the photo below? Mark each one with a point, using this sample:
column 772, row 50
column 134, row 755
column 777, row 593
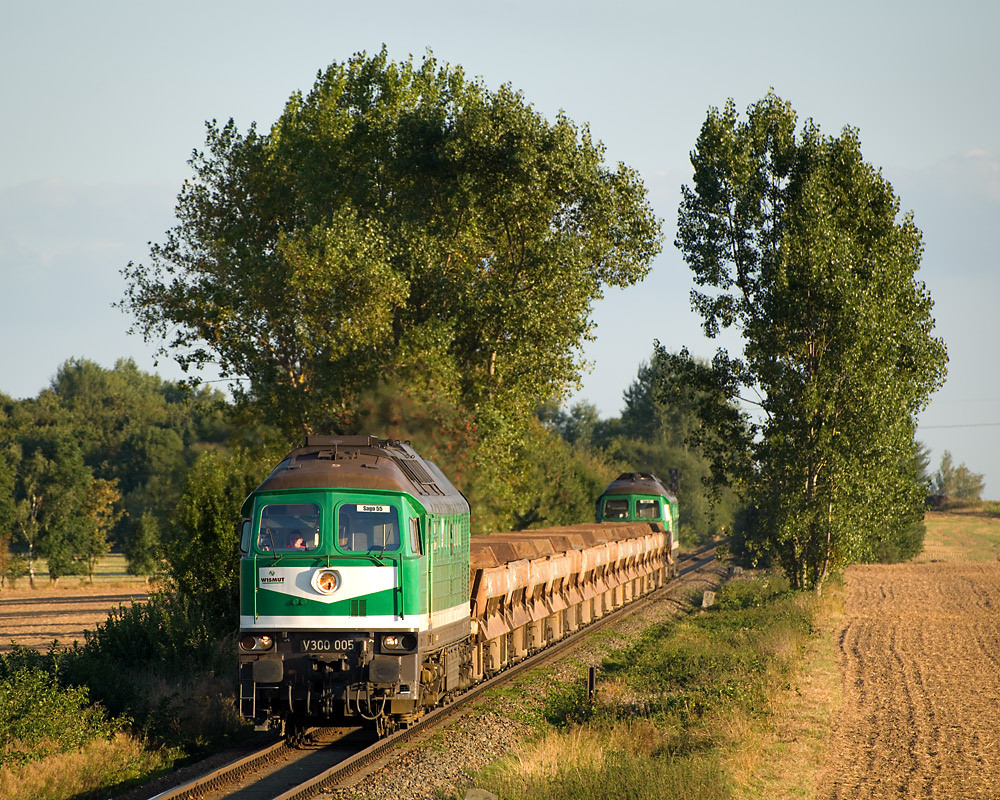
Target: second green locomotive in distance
column 638, row 497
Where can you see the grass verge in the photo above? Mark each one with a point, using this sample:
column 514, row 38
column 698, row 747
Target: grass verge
column 709, row 706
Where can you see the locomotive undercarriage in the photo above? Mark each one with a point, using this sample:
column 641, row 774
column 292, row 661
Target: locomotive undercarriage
column 291, row 689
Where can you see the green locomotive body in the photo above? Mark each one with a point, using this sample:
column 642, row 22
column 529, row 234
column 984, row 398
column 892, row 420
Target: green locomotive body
column 354, row 582
column 638, row 497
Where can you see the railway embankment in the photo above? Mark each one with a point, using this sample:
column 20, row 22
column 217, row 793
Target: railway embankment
column 879, row 688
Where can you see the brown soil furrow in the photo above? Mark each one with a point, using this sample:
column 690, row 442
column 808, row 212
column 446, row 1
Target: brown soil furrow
column 21, row 603
column 36, row 618
column 89, row 609
column 919, row 658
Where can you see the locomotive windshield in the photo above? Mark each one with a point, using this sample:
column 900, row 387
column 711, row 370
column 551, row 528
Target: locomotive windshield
column 366, row 527
column 616, row 508
column 289, row 527
column 647, row 509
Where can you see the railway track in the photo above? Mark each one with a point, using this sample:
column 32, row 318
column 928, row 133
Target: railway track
column 331, row 755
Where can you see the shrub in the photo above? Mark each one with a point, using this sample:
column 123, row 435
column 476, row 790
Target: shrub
column 167, row 664
column 752, row 593
column 38, row 717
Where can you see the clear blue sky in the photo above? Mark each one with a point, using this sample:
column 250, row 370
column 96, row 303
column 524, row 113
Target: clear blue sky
column 103, row 102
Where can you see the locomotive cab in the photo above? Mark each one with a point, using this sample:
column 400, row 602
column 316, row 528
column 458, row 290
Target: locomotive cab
column 641, row 497
column 637, row 497
column 337, row 590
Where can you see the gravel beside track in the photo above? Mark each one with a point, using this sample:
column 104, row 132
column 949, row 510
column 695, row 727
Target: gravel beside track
column 445, row 764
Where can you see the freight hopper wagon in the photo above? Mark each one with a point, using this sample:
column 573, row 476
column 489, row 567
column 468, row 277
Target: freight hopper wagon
column 532, row 588
column 363, row 596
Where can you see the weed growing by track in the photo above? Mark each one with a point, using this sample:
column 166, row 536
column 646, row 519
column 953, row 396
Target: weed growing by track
column 670, row 709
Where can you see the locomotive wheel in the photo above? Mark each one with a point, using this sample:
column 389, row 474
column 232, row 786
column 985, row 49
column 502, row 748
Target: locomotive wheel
column 295, row 733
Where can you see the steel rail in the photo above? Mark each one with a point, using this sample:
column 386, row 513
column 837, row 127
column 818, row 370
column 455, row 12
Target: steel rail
column 220, row 777
column 335, row 775
column 227, row 773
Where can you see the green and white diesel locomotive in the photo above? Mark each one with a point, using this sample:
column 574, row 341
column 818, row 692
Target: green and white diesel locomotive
column 638, row 497
column 354, row 586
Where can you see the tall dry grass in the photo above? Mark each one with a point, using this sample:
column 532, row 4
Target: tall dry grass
column 688, row 712
column 600, row 762
column 87, row 772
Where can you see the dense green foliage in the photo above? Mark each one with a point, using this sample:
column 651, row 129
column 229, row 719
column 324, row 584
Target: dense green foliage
column 652, row 434
column 202, row 549
column 39, row 717
column 797, row 242
column 398, row 224
column 93, row 454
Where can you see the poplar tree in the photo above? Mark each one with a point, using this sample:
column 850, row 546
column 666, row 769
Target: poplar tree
column 798, row 244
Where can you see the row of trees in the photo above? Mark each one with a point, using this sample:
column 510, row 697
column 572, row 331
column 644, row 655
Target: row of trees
column 116, row 457
column 409, row 252
column 180, row 501
column 98, row 458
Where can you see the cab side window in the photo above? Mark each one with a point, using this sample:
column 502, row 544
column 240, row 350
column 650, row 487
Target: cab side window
column 245, row 532
column 415, row 544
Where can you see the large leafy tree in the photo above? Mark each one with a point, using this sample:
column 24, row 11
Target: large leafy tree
column 798, row 243
column 400, row 221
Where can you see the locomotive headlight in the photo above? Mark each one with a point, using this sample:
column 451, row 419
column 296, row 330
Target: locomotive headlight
column 398, row 642
column 251, row 642
column 326, row 581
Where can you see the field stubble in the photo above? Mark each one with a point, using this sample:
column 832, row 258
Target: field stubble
column 64, row 610
column 918, row 657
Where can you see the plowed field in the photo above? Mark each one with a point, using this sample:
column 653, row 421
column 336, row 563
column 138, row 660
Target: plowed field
column 919, row 654
column 36, row 617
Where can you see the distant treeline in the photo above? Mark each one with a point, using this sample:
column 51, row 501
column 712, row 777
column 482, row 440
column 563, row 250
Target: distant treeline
column 103, row 457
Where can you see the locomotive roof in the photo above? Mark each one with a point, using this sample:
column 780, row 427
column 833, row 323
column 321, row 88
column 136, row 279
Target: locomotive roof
column 365, row 462
column 638, row 483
